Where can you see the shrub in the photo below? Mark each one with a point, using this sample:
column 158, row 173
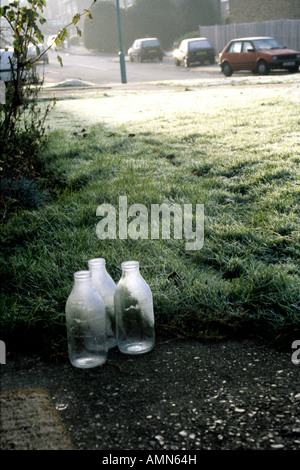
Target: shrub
column 192, row 34
column 22, row 119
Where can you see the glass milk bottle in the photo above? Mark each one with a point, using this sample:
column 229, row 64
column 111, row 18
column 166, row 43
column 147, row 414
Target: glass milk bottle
column 86, row 323
column 134, row 311
column 106, row 288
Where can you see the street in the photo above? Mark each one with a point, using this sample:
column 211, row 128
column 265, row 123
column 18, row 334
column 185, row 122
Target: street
column 101, row 69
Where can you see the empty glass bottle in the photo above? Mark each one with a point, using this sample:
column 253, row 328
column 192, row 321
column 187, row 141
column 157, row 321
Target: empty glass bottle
column 86, row 323
column 134, row 311
column 106, row 288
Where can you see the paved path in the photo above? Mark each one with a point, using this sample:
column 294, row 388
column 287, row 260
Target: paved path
column 183, row 396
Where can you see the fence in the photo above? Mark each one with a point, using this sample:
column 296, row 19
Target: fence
column 287, row 32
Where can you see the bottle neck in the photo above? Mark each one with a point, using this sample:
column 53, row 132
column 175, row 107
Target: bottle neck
column 97, row 265
column 82, row 279
column 130, row 268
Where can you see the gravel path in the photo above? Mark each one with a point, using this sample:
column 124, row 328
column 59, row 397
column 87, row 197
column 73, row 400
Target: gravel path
column 184, row 395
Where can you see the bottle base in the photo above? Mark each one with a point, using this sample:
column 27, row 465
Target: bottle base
column 136, row 348
column 88, row 362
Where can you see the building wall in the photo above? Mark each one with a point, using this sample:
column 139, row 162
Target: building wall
column 247, row 11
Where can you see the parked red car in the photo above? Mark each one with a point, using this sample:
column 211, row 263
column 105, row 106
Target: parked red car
column 258, row 54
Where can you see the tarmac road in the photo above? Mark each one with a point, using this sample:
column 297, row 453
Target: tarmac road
column 99, row 69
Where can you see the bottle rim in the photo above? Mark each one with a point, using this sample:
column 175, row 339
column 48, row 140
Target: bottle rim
column 96, row 262
column 130, row 265
column 78, row 275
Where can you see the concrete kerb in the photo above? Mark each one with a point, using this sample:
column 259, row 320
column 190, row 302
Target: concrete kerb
column 29, row 421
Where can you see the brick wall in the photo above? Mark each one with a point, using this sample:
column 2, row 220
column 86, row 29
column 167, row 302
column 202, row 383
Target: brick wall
column 248, row 11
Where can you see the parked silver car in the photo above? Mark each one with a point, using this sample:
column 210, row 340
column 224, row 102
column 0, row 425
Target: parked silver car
column 7, row 61
column 43, row 55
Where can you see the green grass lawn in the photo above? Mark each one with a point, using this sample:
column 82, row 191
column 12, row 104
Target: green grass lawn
column 234, row 149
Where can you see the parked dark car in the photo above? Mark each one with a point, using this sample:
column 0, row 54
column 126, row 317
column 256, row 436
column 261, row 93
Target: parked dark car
column 258, row 54
column 194, row 51
column 145, row 49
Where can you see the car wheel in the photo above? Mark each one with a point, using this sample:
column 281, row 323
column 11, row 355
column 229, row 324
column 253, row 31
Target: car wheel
column 186, row 62
column 226, row 69
column 262, row 68
column 140, row 58
column 177, row 62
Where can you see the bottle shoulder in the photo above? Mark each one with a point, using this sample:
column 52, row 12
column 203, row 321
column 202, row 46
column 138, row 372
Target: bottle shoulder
column 132, row 287
column 82, row 299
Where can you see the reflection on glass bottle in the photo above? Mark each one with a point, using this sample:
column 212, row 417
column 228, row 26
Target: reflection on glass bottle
column 86, row 323
column 106, row 288
column 134, row 311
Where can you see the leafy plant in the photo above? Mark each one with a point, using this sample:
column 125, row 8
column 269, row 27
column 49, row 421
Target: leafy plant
column 22, row 119
column 14, row 114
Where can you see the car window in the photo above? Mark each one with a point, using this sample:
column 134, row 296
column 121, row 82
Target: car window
column 151, row 43
column 235, row 47
column 267, row 44
column 196, row 45
column 246, row 46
